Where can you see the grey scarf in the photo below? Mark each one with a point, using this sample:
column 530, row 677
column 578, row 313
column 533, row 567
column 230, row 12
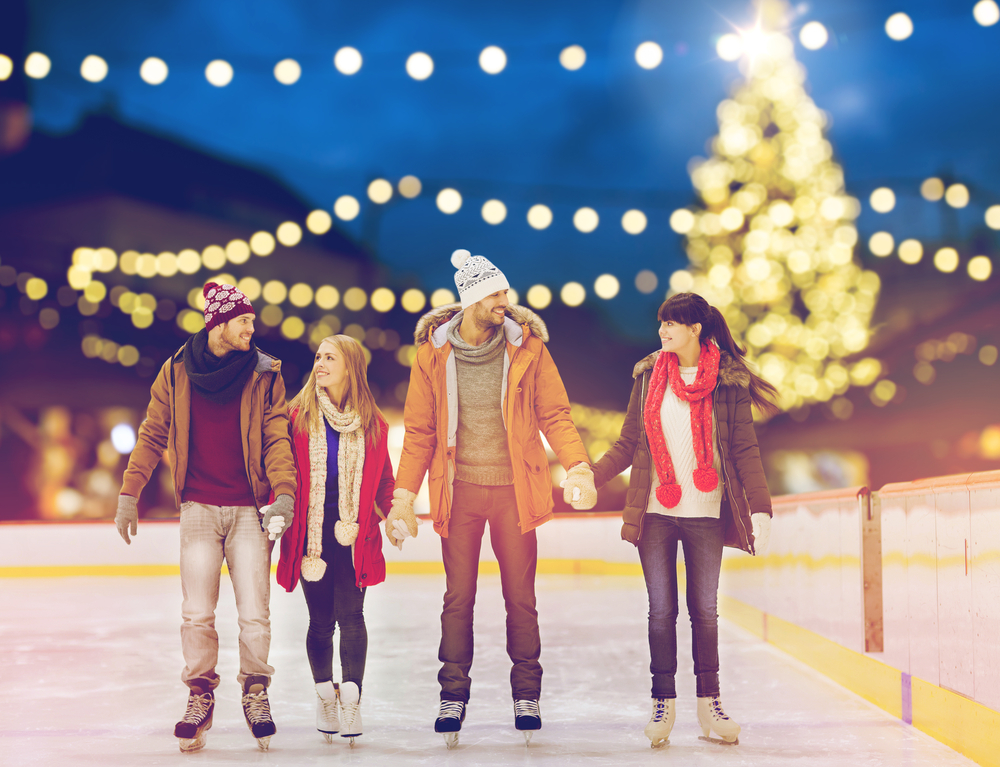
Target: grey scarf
column 475, row 355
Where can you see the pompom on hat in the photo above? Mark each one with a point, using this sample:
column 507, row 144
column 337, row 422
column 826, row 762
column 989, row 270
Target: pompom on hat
column 223, row 302
column 476, row 277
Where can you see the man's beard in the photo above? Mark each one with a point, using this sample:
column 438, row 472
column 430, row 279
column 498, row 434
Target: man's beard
column 486, row 320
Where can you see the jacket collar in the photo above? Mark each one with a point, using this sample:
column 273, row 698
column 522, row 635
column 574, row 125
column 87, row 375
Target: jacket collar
column 732, row 372
column 433, row 326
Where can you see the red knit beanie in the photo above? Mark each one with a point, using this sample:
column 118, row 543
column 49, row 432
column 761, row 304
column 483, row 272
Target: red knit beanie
column 223, row 302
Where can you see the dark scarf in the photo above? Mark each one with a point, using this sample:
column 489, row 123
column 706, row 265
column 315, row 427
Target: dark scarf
column 217, row 380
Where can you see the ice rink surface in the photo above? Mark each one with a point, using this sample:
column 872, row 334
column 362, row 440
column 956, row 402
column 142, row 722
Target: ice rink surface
column 91, row 676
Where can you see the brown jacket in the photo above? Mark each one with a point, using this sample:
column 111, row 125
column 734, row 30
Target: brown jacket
column 743, row 477
column 533, row 398
column 267, row 448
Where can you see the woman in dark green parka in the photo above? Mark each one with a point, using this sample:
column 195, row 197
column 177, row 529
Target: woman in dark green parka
column 696, row 479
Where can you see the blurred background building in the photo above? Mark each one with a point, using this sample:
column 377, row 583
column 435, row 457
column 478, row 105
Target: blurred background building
column 825, row 173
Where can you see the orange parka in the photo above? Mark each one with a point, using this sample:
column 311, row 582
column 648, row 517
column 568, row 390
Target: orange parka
column 532, row 400
column 267, row 447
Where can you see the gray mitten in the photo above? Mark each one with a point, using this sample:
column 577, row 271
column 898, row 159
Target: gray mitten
column 278, row 516
column 127, row 517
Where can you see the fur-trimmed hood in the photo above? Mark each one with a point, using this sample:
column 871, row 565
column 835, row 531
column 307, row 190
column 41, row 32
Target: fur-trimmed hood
column 732, row 372
column 438, row 318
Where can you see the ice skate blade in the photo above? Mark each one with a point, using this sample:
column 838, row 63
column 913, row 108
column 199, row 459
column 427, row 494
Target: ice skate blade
column 720, row 741
column 659, row 742
column 451, row 739
column 189, row 745
column 328, row 736
column 527, row 736
column 263, row 743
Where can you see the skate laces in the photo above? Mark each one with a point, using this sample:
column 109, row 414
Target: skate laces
column 526, row 708
column 256, row 707
column 329, row 709
column 659, row 709
column 197, row 708
column 451, row 709
column 716, row 706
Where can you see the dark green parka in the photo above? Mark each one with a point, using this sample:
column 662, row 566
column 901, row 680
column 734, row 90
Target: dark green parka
column 745, row 487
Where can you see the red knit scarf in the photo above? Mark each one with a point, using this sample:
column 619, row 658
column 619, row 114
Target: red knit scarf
column 699, row 395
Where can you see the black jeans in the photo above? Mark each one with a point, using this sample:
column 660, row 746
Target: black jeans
column 336, row 600
column 702, row 540
column 472, row 507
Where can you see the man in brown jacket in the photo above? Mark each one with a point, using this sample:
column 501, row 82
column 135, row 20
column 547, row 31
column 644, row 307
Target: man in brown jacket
column 218, row 411
column 482, row 388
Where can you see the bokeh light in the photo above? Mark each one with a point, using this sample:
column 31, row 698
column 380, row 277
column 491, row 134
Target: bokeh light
column 300, row 295
column 606, row 286
column 494, row 212
column 346, row 208
column 380, row 191
column 881, row 244
column 94, row 69
column 813, row 36
column 729, row 47
column 646, row 281
column 492, row 60
column 383, row 300
column 573, row 294
column 355, row 299
column 262, row 243
column 347, row 60
column 6, row 67
column 986, row 13
column 682, row 221
column 957, row 195
column 449, row 201
column 946, row 260
column 289, row 234
column 419, row 66
column 327, row 297
column 648, row 55
column 37, row 65
column 413, row 300
column 882, row 200
column 287, row 71
column 586, row 220
column 153, row 70
column 572, row 57
column 932, row 189
column 319, row 222
column 980, row 268
column 410, row 187
column 274, row 292
column 634, row 221
column 219, row 73
column 442, row 297
column 993, row 217
column 899, row 26
column 911, row 251
column 539, row 296
column 238, row 252
column 539, row 216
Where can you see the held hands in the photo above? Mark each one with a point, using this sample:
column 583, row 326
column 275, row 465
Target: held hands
column 401, row 522
column 761, row 532
column 278, row 516
column 578, row 487
column 127, row 517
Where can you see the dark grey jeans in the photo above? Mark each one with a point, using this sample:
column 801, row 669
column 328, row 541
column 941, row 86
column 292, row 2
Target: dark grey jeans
column 472, row 507
column 702, row 540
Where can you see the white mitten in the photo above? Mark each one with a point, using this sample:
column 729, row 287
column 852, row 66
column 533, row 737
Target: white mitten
column 578, row 487
column 401, row 521
column 761, row 532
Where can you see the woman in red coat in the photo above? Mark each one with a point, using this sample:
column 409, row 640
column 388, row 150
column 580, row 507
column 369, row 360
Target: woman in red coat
column 334, row 545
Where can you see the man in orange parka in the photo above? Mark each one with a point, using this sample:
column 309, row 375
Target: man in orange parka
column 482, row 388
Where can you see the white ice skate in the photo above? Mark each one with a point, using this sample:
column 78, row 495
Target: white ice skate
column 662, row 722
column 350, row 711
column 328, row 709
column 449, row 721
column 257, row 711
column 197, row 719
column 527, row 718
column 711, row 717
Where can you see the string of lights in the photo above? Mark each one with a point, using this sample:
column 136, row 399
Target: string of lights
column 492, row 59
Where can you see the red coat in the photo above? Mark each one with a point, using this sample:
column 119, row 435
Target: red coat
column 376, row 487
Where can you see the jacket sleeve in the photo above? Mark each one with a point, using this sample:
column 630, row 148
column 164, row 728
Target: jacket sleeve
column 276, row 444
column 619, row 457
column 553, row 413
column 383, row 493
column 151, row 441
column 746, row 455
column 420, row 421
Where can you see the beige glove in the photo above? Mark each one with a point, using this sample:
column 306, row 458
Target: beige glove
column 578, row 487
column 401, row 522
column 127, row 517
column 761, row 532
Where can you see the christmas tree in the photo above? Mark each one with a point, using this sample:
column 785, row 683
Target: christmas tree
column 772, row 242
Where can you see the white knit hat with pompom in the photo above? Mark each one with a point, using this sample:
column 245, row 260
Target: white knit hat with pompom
column 476, row 277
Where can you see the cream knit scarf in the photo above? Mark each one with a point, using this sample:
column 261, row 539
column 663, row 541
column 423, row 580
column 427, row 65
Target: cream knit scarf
column 350, row 462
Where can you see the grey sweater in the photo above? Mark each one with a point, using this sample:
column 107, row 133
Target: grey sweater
column 482, row 455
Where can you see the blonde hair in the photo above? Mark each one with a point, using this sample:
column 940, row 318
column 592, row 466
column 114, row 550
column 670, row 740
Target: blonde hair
column 358, row 395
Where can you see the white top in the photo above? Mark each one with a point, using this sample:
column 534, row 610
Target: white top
column 675, row 415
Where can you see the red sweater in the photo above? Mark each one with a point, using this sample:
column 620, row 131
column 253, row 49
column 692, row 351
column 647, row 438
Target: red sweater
column 216, row 475
column 376, row 487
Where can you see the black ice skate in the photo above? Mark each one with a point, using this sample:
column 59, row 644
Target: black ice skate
column 190, row 730
column 257, row 711
column 527, row 718
column 449, row 721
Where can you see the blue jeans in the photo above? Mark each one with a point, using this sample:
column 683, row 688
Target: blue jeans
column 702, row 540
column 472, row 507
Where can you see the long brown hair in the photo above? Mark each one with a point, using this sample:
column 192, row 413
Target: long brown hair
column 358, row 395
column 689, row 309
